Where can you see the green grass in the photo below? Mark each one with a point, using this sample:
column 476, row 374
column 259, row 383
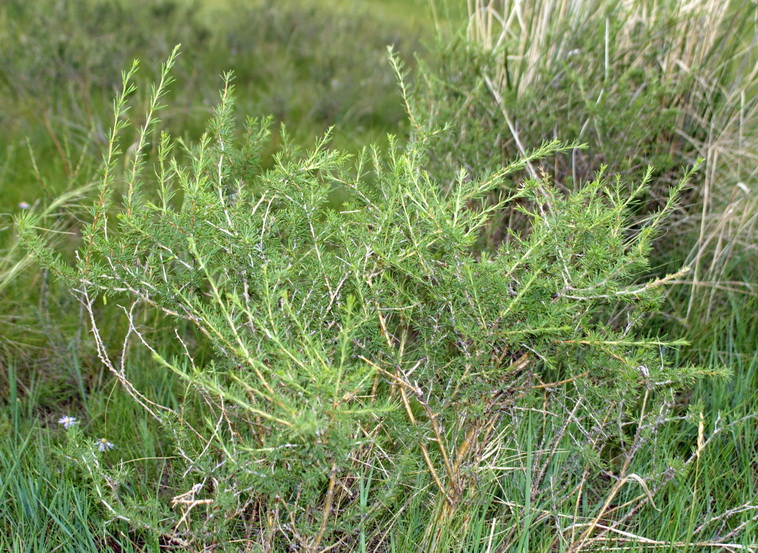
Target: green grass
column 40, row 509
column 314, row 65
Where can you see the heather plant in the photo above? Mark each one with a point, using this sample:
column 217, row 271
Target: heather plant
column 341, row 362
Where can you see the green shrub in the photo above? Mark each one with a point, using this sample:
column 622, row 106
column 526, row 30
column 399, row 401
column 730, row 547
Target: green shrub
column 345, row 362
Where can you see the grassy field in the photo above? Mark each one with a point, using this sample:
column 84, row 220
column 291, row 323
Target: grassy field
column 685, row 481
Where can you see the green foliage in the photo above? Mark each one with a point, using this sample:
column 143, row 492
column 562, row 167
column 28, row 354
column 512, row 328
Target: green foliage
column 640, row 84
column 339, row 355
column 60, row 63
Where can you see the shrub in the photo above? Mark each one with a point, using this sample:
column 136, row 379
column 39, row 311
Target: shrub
column 344, row 362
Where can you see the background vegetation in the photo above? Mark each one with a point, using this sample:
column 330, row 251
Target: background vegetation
column 495, row 80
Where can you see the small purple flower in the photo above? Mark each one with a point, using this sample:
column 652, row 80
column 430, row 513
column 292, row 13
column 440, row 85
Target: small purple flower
column 103, row 444
column 67, row 421
column 23, row 205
